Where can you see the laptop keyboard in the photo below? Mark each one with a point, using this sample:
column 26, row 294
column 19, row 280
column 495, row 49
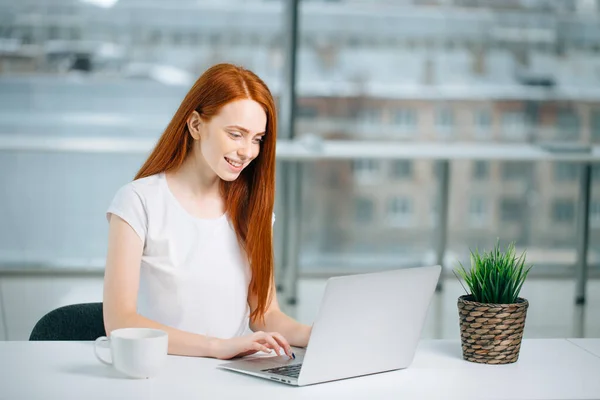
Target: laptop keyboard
column 292, row 371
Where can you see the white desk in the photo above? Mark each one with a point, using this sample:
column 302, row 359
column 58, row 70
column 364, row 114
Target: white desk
column 591, row 345
column 547, row 368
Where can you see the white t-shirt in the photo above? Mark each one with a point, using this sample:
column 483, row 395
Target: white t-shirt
column 193, row 275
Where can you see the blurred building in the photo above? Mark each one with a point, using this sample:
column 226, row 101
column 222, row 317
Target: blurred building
column 467, row 71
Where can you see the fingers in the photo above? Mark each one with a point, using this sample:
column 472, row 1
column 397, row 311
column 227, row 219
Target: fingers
column 268, row 338
column 260, row 347
column 276, row 341
column 283, row 343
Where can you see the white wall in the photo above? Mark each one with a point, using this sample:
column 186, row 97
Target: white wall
column 28, row 298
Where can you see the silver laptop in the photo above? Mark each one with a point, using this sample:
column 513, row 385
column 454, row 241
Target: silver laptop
column 366, row 324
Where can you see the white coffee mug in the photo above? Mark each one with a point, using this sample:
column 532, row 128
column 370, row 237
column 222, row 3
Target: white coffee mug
column 136, row 352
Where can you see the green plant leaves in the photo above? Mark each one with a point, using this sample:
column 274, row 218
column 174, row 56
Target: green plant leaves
column 495, row 277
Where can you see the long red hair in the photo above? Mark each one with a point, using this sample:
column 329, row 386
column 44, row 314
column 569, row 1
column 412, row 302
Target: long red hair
column 249, row 199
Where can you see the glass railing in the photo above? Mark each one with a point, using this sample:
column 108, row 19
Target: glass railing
column 352, row 216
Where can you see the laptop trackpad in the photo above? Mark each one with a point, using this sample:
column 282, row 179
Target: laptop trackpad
column 264, row 361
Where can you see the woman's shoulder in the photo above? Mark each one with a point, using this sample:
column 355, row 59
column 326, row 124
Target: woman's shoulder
column 141, row 188
column 146, row 184
column 133, row 203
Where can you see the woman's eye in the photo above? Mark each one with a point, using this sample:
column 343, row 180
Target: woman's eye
column 235, row 134
column 258, row 139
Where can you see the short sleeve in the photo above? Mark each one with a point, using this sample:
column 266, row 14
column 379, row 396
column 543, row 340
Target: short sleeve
column 129, row 206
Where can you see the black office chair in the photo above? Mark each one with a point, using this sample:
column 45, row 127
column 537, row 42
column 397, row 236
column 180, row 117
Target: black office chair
column 73, row 322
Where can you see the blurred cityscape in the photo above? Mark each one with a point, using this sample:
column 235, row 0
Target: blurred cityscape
column 447, row 71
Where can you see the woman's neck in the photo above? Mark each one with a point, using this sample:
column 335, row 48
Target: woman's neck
column 197, row 178
column 197, row 192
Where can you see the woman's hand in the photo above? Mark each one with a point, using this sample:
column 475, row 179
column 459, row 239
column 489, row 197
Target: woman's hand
column 246, row 345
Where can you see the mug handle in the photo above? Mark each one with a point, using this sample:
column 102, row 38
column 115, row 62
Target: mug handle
column 101, row 339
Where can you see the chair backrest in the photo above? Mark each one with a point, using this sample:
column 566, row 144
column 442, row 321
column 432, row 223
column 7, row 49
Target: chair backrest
column 73, row 322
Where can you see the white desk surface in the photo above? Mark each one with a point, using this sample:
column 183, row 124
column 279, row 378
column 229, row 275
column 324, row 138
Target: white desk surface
column 547, row 369
column 591, row 345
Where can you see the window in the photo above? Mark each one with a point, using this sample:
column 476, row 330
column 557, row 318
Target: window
column 305, row 111
column 514, row 124
column 568, row 124
column 595, row 213
column 402, row 169
column 595, row 125
column 481, row 170
column 53, row 32
column 176, row 38
column 370, row 116
column 483, row 122
column 400, row 211
column 514, row 170
column 511, row 210
column 444, row 121
column 405, row 119
column 363, row 209
column 438, row 168
column 596, row 172
column 155, row 37
column 74, row 33
column 477, row 211
column 563, row 211
column 366, row 170
column 566, row 172
column 434, row 214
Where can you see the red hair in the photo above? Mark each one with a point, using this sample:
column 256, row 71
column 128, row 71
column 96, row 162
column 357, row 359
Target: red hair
column 251, row 196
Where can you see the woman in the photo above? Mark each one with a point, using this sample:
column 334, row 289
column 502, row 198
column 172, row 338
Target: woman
column 190, row 246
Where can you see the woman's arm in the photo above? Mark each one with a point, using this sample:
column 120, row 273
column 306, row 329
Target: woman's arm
column 295, row 333
column 121, row 284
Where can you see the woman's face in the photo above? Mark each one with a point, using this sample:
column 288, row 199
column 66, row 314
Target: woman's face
column 231, row 139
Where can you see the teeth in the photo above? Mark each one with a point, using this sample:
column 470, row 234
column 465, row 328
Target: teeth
column 235, row 164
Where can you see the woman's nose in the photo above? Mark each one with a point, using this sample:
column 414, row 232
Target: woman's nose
column 245, row 152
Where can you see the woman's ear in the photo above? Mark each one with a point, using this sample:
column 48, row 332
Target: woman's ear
column 194, row 124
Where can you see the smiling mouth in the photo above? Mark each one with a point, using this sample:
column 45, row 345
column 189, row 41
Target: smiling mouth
column 234, row 164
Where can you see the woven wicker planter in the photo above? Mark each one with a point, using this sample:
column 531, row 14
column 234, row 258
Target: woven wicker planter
column 491, row 333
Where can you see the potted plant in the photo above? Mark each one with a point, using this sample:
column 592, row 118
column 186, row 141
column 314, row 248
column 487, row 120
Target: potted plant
column 492, row 315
